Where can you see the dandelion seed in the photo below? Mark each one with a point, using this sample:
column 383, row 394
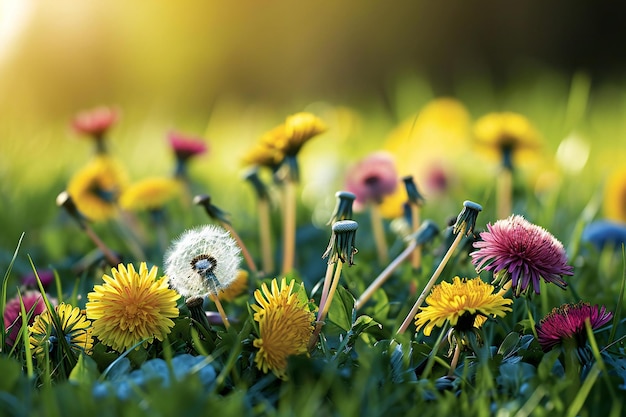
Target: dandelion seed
column 202, row 261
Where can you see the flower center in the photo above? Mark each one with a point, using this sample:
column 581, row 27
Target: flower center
column 205, row 265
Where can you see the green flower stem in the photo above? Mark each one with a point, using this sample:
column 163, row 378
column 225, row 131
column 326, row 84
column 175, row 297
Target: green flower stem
column 289, row 225
column 379, row 234
column 265, row 235
column 385, row 274
column 504, row 193
column 429, row 285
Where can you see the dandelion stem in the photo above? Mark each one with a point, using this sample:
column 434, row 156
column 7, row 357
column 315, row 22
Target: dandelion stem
column 265, row 235
column 379, row 234
column 289, row 225
column 331, row 293
column 416, row 257
column 111, row 257
column 430, row 283
column 325, row 302
column 504, row 193
column 385, row 274
column 220, row 310
column 327, row 281
column 244, row 250
column 455, row 359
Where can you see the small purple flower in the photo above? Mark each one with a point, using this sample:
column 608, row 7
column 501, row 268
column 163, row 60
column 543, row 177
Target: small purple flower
column 521, row 252
column 568, row 323
column 12, row 313
column 46, row 277
column 372, row 178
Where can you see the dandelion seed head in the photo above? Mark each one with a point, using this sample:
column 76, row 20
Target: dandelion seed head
column 202, row 261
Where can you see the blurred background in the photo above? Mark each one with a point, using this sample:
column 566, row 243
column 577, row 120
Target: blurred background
column 229, row 71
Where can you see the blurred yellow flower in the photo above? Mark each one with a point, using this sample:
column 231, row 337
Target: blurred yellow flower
column 234, row 290
column 96, row 188
column 285, row 326
column 429, row 146
column 465, row 302
column 507, row 136
column 75, row 328
column 263, row 154
column 131, row 307
column 615, row 196
column 150, row 193
column 300, row 128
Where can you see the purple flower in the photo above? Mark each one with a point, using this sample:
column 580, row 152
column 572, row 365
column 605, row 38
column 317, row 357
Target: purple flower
column 372, row 178
column 521, row 252
column 46, row 277
column 568, row 323
column 12, row 313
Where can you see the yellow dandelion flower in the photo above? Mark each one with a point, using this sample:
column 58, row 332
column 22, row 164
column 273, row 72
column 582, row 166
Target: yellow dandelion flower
column 234, row 290
column 131, row 307
column 265, row 155
column 150, row 193
column 300, row 128
column 507, row 135
column 75, row 328
column 95, row 189
column 285, row 326
column 464, row 302
column 615, row 196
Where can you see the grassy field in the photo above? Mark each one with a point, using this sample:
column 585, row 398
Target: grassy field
column 360, row 365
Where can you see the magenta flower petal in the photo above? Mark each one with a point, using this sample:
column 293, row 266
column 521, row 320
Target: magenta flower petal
column 12, row 313
column 46, row 276
column 521, row 252
column 568, row 322
column 372, row 178
column 185, row 146
column 95, row 122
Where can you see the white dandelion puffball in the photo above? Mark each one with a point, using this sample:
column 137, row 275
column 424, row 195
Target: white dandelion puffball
column 202, row 261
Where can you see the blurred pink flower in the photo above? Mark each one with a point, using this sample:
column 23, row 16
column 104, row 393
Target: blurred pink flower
column 95, row 122
column 372, row 178
column 12, row 313
column 186, row 146
column 46, row 276
column 568, row 323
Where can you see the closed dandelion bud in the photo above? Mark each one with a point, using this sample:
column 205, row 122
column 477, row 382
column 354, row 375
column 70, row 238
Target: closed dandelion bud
column 466, row 220
column 343, row 208
column 342, row 242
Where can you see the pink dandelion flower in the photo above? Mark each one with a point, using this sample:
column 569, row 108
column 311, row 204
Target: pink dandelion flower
column 13, row 316
column 185, row 147
column 568, row 323
column 95, row 122
column 372, row 178
column 518, row 251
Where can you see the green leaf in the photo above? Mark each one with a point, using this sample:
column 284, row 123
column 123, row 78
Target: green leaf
column 364, row 323
column 10, row 371
column 341, row 309
column 85, row 372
